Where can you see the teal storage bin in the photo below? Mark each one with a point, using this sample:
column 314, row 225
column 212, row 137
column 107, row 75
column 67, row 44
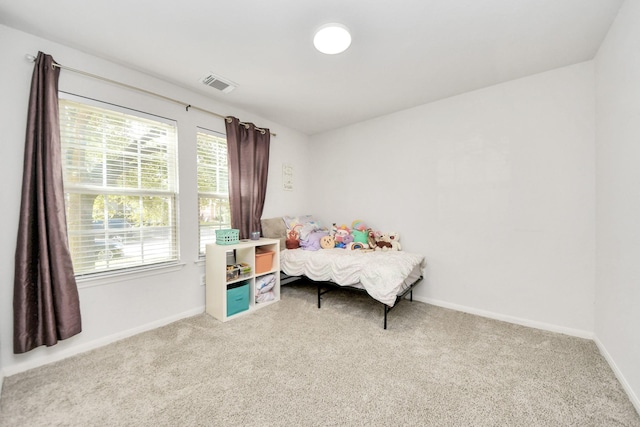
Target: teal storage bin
column 237, row 298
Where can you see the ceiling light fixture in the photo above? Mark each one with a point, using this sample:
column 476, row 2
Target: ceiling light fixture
column 332, row 39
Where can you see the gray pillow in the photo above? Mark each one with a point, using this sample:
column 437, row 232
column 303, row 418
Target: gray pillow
column 274, row 228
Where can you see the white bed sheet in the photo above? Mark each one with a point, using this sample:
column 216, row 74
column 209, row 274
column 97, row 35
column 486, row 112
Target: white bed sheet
column 383, row 274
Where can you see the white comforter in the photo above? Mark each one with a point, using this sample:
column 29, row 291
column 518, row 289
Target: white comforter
column 382, row 274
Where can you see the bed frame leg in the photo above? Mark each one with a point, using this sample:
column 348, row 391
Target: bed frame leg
column 386, row 310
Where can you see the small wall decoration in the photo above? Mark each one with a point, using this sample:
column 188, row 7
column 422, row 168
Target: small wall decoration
column 287, row 177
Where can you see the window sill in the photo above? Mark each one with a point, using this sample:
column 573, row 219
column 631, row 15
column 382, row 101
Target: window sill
column 107, row 278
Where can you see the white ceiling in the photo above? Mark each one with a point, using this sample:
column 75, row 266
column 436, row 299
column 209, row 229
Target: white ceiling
column 404, row 53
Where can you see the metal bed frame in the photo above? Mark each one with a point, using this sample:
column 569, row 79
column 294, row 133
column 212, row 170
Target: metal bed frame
column 330, row 286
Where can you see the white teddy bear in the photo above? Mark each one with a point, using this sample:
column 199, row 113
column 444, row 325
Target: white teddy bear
column 388, row 242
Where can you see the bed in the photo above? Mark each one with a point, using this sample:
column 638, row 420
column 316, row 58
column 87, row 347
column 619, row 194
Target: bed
column 386, row 276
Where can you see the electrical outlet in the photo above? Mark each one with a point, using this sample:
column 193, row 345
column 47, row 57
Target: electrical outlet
column 203, row 280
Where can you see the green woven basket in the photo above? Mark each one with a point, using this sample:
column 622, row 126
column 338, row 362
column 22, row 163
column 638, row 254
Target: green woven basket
column 229, row 236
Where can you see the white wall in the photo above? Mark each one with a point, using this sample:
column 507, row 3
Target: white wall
column 495, row 187
column 118, row 308
column 617, row 310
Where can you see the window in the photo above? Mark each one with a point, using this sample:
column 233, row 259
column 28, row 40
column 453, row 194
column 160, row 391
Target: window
column 213, row 187
column 120, row 186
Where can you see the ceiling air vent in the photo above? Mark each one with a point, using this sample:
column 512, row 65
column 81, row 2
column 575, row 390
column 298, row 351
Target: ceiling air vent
column 219, row 83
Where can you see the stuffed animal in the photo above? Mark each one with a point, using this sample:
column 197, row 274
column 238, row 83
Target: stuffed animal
column 345, row 241
column 358, row 246
column 361, row 236
column 360, row 232
column 342, row 236
column 372, row 238
column 359, row 225
column 327, row 242
column 388, row 242
column 395, row 241
column 292, row 241
column 382, row 244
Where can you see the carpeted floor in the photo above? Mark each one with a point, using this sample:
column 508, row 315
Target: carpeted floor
column 291, row 364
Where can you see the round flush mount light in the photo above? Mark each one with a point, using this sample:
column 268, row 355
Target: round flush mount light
column 332, row 39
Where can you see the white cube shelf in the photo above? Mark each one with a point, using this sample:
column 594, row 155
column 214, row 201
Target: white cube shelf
column 216, row 274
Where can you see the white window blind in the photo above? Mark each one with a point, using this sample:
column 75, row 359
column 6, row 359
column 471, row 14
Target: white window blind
column 120, row 182
column 213, row 187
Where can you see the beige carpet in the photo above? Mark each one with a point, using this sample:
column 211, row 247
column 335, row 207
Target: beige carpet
column 291, row 364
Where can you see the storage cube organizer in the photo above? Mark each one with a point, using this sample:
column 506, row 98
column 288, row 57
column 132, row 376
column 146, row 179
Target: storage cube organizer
column 227, row 236
column 264, row 261
column 231, row 285
column 237, row 298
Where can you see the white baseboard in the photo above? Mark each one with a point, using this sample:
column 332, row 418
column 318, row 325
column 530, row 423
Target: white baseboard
column 623, row 381
column 82, row 348
column 510, row 319
column 635, row 400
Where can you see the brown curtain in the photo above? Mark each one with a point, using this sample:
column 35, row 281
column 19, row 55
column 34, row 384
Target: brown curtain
column 46, row 306
column 248, row 159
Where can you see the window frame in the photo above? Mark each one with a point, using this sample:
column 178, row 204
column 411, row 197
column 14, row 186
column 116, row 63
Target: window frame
column 172, row 193
column 221, row 195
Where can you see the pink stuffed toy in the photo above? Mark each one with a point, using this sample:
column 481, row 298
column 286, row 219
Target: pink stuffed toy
column 342, row 236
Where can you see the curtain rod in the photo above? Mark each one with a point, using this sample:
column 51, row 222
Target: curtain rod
column 32, row 58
